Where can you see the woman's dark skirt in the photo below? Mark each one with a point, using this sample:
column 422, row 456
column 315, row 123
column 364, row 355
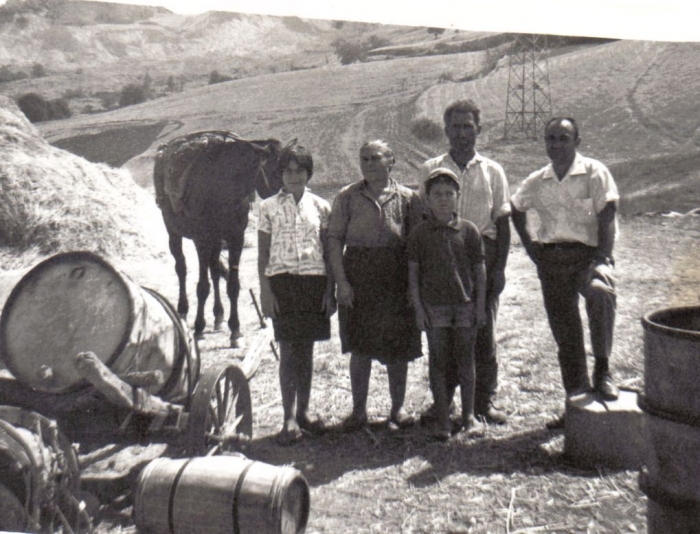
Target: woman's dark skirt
column 300, row 317
column 381, row 324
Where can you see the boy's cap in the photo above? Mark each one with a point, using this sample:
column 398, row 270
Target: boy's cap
column 444, row 171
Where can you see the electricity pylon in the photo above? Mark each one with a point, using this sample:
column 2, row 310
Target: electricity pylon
column 529, row 104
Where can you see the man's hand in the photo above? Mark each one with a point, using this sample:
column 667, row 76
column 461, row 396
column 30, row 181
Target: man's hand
column 498, row 282
column 479, row 316
column 345, row 294
column 603, row 270
column 534, row 250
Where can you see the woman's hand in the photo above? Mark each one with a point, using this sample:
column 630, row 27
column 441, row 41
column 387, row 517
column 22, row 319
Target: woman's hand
column 345, row 294
column 422, row 320
column 330, row 304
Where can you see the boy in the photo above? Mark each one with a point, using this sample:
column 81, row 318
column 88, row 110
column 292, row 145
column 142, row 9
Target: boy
column 447, row 281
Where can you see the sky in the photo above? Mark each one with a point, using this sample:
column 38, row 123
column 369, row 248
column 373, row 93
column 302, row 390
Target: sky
column 665, row 20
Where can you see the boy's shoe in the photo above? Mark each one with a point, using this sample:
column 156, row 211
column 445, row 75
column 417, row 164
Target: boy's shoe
column 401, row 419
column 429, row 416
column 311, row 426
column 491, row 416
column 473, row 428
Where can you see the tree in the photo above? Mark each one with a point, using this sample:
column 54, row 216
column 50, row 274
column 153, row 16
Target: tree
column 436, row 31
column 350, row 51
column 170, row 85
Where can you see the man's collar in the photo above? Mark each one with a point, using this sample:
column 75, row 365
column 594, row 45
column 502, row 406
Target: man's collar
column 577, row 167
column 478, row 158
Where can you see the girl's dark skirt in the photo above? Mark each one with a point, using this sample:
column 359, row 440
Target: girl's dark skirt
column 300, row 317
column 381, row 324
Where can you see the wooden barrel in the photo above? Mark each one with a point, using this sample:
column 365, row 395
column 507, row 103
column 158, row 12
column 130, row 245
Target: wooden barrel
column 76, row 302
column 220, row 494
column 672, row 361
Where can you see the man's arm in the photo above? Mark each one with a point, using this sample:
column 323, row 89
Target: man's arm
column 606, row 232
column 520, row 224
column 498, row 277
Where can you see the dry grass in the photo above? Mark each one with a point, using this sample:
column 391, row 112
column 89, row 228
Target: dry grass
column 515, row 479
column 53, row 201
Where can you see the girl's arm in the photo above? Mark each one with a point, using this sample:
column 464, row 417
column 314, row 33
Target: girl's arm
column 330, row 304
column 268, row 302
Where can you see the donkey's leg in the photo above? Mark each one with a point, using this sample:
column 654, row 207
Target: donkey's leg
column 175, row 243
column 215, row 269
column 203, row 286
column 233, row 288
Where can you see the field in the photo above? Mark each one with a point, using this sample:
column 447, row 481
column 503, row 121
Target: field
column 637, row 107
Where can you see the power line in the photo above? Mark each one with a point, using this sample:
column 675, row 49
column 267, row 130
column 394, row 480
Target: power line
column 529, row 103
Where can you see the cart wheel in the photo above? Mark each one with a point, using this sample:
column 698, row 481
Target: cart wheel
column 221, row 413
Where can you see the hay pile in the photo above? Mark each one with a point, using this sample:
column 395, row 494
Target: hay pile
column 53, row 201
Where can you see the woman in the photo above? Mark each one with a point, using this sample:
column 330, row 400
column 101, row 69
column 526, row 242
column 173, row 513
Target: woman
column 370, row 222
column 294, row 287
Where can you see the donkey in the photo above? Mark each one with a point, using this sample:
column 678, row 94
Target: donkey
column 205, row 183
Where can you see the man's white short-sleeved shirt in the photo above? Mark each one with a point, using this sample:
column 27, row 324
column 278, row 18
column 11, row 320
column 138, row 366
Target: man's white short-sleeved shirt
column 568, row 208
column 295, row 233
column 485, row 195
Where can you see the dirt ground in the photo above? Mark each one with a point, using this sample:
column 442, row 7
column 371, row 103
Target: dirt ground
column 515, row 479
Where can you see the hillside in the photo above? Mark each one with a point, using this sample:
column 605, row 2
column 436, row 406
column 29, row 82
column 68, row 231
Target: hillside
column 91, row 48
column 633, row 113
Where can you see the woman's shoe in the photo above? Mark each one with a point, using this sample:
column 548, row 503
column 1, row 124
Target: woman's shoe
column 354, row 422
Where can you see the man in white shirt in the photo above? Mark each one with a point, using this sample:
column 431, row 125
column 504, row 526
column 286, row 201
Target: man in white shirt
column 576, row 200
column 485, row 201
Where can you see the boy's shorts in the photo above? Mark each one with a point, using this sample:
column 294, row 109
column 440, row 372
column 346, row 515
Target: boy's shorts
column 450, row 315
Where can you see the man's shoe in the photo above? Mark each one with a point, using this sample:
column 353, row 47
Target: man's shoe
column 602, row 381
column 606, row 388
column 492, row 416
column 556, row 424
column 429, row 416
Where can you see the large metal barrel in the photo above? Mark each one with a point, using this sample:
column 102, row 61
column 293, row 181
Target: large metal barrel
column 671, row 401
column 220, row 494
column 77, row 302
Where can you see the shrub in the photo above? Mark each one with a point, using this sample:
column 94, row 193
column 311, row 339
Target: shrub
column 37, row 109
column 426, row 130
column 38, row 70
column 215, row 77
column 446, row 77
column 132, row 94
column 34, row 107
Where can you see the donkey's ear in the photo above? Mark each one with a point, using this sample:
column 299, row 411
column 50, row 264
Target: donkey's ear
column 293, row 142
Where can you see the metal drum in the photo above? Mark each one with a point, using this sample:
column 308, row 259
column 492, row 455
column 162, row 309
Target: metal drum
column 76, row 302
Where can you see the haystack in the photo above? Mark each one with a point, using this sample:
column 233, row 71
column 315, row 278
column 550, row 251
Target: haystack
column 54, row 201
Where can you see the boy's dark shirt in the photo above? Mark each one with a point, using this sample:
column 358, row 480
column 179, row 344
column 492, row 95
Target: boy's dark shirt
column 446, row 253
